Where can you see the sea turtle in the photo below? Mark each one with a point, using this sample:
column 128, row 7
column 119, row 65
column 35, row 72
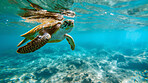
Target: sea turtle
column 47, row 33
column 53, row 29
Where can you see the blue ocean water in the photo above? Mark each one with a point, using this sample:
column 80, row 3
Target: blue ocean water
column 111, row 38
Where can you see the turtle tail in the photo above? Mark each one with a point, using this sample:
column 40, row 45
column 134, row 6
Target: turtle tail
column 32, row 46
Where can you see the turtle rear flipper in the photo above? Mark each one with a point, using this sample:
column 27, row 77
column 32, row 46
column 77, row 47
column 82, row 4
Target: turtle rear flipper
column 23, row 41
column 35, row 44
column 35, row 6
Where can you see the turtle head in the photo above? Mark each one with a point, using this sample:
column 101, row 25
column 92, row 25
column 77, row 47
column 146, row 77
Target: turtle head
column 67, row 25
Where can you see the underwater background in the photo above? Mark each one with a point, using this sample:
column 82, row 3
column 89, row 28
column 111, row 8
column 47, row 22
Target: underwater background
column 111, row 38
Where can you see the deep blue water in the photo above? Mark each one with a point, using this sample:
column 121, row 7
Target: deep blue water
column 111, row 38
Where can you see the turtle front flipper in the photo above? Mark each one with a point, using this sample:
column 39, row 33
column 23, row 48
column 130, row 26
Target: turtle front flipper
column 35, row 44
column 35, row 6
column 70, row 41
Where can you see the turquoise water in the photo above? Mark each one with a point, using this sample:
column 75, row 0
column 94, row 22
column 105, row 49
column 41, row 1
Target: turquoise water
column 111, row 38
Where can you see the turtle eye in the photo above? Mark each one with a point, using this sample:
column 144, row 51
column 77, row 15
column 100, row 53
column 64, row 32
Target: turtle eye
column 66, row 22
column 64, row 25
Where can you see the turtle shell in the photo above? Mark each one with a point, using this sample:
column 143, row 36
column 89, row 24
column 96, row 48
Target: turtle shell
column 35, row 31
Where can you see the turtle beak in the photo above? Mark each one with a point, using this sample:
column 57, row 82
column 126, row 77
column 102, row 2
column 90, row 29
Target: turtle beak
column 72, row 21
